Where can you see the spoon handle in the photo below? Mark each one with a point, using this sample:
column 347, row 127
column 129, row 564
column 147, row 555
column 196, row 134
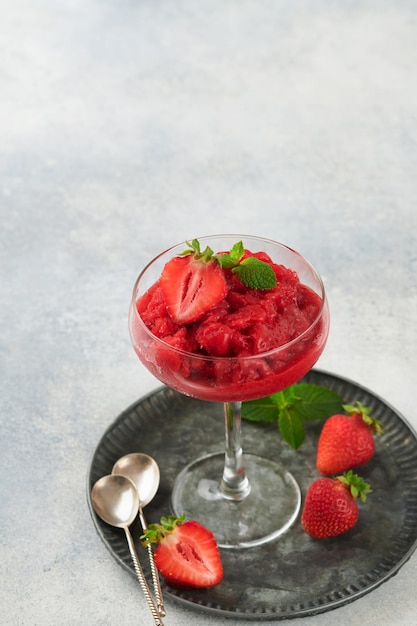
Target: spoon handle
column 154, row 571
column 142, row 580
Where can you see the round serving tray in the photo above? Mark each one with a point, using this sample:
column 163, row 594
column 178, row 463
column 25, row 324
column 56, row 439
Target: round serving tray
column 294, row 576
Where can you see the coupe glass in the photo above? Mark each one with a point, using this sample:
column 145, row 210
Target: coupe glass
column 245, row 500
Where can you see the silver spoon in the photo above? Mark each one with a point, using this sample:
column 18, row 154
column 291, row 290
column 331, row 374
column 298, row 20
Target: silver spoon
column 143, row 471
column 115, row 499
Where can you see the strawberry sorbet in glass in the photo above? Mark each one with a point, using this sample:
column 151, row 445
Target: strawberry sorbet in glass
column 228, row 319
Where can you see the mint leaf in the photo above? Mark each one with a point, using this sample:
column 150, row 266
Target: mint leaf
column 293, row 406
column 251, row 271
column 226, row 261
column 263, row 410
column 291, row 428
column 279, row 408
column 231, row 259
column 237, row 252
column 317, row 402
column 255, row 273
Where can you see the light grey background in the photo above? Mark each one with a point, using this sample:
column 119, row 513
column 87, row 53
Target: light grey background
column 129, row 126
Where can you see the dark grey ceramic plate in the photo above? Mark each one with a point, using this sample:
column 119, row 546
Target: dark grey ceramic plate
column 294, row 576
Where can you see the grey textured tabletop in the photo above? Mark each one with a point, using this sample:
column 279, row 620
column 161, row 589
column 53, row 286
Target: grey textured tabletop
column 126, row 127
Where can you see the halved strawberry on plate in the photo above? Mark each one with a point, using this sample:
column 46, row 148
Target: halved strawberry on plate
column 192, row 284
column 187, row 554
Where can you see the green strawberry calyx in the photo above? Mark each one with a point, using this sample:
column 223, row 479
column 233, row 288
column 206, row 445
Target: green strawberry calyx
column 194, row 249
column 356, row 485
column 251, row 271
column 364, row 412
column 155, row 533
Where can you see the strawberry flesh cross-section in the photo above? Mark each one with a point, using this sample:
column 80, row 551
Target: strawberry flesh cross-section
column 191, row 288
column 187, row 554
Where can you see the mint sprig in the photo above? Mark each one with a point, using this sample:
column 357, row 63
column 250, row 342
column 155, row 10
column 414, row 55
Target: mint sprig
column 255, row 273
column 251, row 271
column 292, row 407
column 229, row 260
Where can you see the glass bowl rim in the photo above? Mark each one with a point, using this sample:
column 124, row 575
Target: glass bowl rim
column 211, row 358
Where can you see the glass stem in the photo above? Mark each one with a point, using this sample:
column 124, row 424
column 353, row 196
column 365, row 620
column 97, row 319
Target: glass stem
column 234, row 484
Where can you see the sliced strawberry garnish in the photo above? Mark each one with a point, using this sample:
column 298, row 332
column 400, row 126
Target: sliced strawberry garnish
column 187, row 554
column 192, row 285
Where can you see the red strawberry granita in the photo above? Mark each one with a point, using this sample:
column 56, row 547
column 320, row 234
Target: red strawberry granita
column 201, row 330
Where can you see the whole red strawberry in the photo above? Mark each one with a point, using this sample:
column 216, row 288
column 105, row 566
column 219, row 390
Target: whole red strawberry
column 330, row 506
column 346, row 441
column 187, row 554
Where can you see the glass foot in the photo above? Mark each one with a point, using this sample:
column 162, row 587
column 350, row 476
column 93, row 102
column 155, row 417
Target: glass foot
column 270, row 508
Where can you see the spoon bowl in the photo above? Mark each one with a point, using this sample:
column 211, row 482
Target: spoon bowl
column 115, row 499
column 143, row 471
